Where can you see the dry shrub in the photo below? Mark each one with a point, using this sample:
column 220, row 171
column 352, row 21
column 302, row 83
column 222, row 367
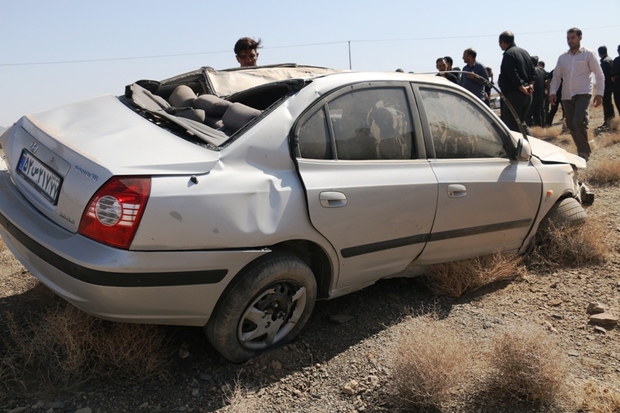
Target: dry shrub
column 429, row 363
column 528, row 364
column 604, row 172
column 550, row 133
column 456, row 278
column 600, row 398
column 610, row 137
column 571, row 245
column 238, row 400
column 63, row 347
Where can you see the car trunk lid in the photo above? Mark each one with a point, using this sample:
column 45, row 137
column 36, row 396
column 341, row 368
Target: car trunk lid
column 60, row 157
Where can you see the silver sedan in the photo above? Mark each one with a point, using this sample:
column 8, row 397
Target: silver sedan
column 235, row 199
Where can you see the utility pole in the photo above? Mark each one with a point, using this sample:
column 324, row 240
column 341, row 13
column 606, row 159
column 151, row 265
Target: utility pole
column 350, row 66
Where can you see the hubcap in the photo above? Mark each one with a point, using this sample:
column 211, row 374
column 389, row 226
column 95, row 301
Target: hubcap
column 271, row 316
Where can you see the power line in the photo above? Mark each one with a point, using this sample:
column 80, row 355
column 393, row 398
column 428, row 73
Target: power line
column 112, row 59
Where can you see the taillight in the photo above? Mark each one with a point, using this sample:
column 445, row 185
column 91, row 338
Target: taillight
column 113, row 214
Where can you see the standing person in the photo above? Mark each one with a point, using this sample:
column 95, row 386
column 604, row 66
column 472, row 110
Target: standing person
column 441, row 66
column 469, row 80
column 515, row 80
column 535, row 115
column 607, row 65
column 576, row 67
column 558, row 101
column 488, row 87
column 615, row 77
column 246, row 51
column 449, row 63
column 545, row 109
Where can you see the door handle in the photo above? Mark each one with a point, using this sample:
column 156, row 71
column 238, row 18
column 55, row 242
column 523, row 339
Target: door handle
column 332, row 199
column 457, row 191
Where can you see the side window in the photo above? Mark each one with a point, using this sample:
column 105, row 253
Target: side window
column 373, row 123
column 313, row 138
column 459, row 128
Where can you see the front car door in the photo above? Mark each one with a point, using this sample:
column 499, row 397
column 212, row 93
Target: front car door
column 368, row 192
column 487, row 199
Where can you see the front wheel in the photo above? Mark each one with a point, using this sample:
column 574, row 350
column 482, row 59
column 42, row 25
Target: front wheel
column 566, row 212
column 267, row 307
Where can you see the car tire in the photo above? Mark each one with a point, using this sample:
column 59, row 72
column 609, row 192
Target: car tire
column 266, row 308
column 566, row 212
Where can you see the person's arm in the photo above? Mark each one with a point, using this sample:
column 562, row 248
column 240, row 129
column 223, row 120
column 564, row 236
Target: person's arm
column 482, row 71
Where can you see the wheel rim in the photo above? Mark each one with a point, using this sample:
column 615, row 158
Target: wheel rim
column 272, row 315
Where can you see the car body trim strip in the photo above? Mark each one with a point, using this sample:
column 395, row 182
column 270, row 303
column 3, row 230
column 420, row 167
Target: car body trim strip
column 113, row 279
column 383, row 245
column 439, row 236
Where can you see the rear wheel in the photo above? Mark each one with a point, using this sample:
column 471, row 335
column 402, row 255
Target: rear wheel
column 268, row 307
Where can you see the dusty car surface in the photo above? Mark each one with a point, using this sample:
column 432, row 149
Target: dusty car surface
column 235, row 199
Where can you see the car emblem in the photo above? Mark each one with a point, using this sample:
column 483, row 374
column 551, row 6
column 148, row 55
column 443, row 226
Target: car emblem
column 34, row 147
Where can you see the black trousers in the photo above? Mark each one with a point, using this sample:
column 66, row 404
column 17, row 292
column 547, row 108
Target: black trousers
column 608, row 106
column 521, row 104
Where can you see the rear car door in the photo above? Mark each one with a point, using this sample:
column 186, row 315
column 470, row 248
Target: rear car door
column 368, row 192
column 487, row 200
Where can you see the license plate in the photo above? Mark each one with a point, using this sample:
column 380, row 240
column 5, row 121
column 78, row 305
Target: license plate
column 37, row 174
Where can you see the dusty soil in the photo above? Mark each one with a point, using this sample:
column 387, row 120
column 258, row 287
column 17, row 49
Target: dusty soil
column 348, row 339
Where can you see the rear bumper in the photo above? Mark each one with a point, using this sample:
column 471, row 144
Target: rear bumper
column 160, row 287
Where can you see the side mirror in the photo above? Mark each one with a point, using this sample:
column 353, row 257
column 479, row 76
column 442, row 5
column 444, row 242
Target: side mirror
column 524, row 150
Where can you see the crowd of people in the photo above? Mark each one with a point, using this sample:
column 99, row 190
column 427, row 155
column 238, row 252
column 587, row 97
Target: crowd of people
column 533, row 94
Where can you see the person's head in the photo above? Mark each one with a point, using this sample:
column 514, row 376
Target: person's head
column 440, row 64
column 541, row 64
column 506, row 39
column 399, row 70
column 469, row 56
column 602, row 51
column 449, row 62
column 246, row 51
column 534, row 61
column 573, row 38
column 489, row 72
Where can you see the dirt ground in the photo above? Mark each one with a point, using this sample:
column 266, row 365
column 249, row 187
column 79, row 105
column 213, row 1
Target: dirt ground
column 347, row 339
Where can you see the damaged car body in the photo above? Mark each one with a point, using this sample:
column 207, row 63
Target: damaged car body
column 234, row 199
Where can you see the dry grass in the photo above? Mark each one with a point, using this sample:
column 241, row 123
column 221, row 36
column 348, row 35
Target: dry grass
column 599, row 398
column 550, row 133
column 577, row 245
column 238, row 400
column 456, row 278
column 61, row 347
column 604, row 172
column 429, row 363
column 528, row 364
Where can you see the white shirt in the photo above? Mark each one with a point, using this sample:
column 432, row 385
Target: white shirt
column 576, row 70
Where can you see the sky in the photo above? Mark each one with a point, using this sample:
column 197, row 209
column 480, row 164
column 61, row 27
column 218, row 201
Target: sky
column 55, row 52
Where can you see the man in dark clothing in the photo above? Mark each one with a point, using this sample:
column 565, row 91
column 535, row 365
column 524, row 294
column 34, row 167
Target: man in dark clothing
column 616, row 79
column 535, row 115
column 515, row 80
column 441, row 66
column 488, row 87
column 449, row 63
column 554, row 107
column 471, row 82
column 607, row 67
